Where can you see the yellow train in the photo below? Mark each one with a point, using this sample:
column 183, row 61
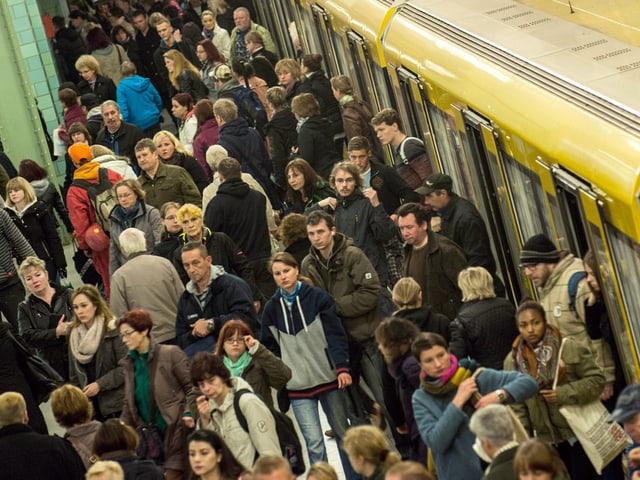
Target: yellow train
column 535, row 118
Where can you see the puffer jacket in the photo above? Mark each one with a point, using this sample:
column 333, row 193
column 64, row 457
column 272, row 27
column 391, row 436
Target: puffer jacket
column 38, row 225
column 581, row 383
column 147, row 219
column 170, row 381
column 47, row 193
column 352, row 281
column 261, row 439
column 109, row 374
column 37, row 322
column 266, row 371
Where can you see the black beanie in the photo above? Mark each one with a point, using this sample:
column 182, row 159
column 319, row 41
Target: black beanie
column 539, row 249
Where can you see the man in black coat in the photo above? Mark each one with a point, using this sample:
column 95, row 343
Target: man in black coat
column 148, row 41
column 27, row 454
column 118, row 136
column 67, row 46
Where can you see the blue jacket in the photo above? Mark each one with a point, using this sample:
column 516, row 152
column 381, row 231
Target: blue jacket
column 139, row 101
column 445, row 428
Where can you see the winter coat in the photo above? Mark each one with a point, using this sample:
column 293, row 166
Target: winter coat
column 369, row 227
column 135, row 468
column 38, row 226
column 329, row 106
column 170, row 184
column 104, row 88
column 356, row 119
column 311, row 325
column 426, row 320
column 319, row 191
column 119, row 165
column 72, row 114
column 187, row 131
column 296, row 89
column 191, row 83
column 228, row 297
column 122, row 142
column 261, row 439
column 299, row 249
column 264, row 33
column 264, row 67
column 250, row 230
column 147, row 219
column 282, row 136
column 149, row 282
column 316, row 146
column 484, row 330
column 47, row 193
column 109, row 374
column 139, row 102
column 207, row 135
column 571, row 321
column 169, row 242
column 110, row 58
column 222, row 41
column 37, row 322
column 266, row 371
column 12, row 244
column 445, row 428
column 81, row 437
column 353, row 283
column 444, row 262
column 27, row 454
column 170, row 382
column 192, row 166
column 392, row 190
column 501, row 467
column 228, row 89
column 581, row 383
column 185, row 47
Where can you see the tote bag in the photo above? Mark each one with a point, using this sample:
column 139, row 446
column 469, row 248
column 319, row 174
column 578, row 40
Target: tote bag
column 602, row 438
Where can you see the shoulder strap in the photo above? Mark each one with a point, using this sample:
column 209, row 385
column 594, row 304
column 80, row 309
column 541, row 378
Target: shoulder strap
column 476, row 396
column 242, row 420
column 573, row 287
column 403, row 157
column 555, row 378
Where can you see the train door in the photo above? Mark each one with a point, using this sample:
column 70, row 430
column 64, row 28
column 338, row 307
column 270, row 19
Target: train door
column 325, row 41
column 278, row 18
column 577, row 213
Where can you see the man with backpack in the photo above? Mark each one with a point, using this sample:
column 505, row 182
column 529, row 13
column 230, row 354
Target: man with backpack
column 90, row 200
column 562, row 285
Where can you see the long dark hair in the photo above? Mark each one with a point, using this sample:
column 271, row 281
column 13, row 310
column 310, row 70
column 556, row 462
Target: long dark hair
column 230, row 467
column 311, row 177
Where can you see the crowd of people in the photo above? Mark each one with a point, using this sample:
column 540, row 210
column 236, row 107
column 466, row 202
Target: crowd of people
column 249, row 263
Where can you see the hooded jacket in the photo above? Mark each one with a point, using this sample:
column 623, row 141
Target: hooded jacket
column 351, row 280
column 139, row 102
column 47, row 193
column 311, row 325
column 110, row 58
column 316, row 146
column 249, row 230
column 228, row 297
column 38, row 226
column 122, row 141
column 118, row 165
column 208, row 135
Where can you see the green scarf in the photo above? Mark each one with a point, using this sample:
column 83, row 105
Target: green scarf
column 141, row 389
column 237, row 368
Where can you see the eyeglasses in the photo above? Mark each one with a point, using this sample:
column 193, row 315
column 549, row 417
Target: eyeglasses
column 529, row 266
column 127, row 334
column 125, row 195
column 345, row 180
column 237, row 341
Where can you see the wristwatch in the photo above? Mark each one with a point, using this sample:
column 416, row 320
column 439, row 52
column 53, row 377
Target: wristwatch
column 502, row 396
column 211, row 324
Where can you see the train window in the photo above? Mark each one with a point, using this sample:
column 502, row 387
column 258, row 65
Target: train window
column 325, row 39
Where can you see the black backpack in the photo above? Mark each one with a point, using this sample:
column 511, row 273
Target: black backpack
column 287, row 436
column 251, row 109
column 101, row 196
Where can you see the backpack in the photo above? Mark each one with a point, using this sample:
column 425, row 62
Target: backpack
column 416, row 170
column 573, row 288
column 287, row 436
column 102, row 197
column 251, row 109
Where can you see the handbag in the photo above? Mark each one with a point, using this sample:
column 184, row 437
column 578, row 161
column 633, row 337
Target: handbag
column 84, row 266
column 151, row 444
column 601, row 438
column 41, row 377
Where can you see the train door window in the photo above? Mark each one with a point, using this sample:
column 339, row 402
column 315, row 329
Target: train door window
column 567, row 212
column 310, row 37
column 325, row 39
column 277, row 17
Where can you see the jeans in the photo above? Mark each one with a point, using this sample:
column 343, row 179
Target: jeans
column 308, row 418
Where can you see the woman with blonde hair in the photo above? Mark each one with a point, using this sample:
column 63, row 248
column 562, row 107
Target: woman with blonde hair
column 485, row 326
column 184, row 76
column 95, row 351
column 217, row 35
column 407, row 296
column 369, row 452
column 291, row 78
column 37, row 224
column 321, row 471
column 131, row 212
column 105, row 470
column 172, row 152
column 92, row 79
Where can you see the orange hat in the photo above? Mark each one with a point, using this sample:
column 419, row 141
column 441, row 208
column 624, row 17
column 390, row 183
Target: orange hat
column 79, row 152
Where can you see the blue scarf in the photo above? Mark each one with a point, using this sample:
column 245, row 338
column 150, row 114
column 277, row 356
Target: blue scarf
column 291, row 297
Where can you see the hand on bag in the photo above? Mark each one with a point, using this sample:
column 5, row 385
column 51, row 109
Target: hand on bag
column 92, row 389
column 489, row 399
column 189, row 422
column 550, row 396
column 467, row 388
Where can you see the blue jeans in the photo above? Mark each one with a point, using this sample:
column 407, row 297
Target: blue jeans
column 308, row 418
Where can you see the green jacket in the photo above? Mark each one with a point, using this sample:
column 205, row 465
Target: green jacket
column 264, row 33
column 582, row 383
column 170, row 184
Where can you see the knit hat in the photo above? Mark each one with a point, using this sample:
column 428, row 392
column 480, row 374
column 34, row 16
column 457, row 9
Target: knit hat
column 539, row 249
column 79, row 152
column 437, row 181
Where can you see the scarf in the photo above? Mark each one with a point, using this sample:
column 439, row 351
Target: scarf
column 291, row 297
column 538, row 361
column 451, row 379
column 300, row 123
column 84, row 342
column 238, row 367
column 346, row 99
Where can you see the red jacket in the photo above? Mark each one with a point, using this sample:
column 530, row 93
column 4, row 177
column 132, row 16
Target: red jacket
column 81, row 210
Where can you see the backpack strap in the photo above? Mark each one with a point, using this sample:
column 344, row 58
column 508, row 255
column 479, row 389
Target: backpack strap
column 403, row 157
column 242, row 420
column 574, row 281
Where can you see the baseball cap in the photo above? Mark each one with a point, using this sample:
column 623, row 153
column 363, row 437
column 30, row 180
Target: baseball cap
column 79, row 152
column 437, row 181
column 628, row 404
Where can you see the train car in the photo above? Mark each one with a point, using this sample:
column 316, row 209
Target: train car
column 535, row 118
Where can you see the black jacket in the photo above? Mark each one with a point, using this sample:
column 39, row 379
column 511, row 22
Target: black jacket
column 169, row 242
column 297, row 89
column 38, row 225
column 426, row 320
column 315, row 145
column 248, row 230
column 37, row 322
column 185, row 47
column 392, row 190
column 104, row 88
column 192, row 167
column 484, row 330
column 264, row 68
column 299, row 249
column 501, row 467
column 190, row 82
column 282, row 135
column 122, row 142
column 329, row 106
column 147, row 45
column 47, row 193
